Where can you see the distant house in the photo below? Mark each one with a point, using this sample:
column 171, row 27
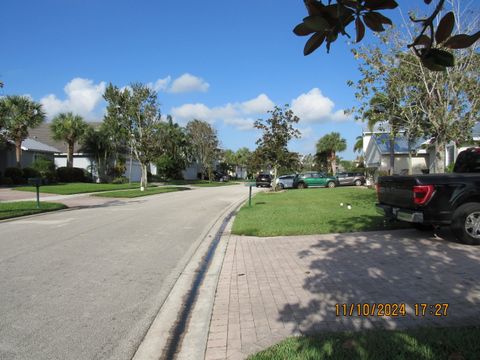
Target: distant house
column 82, row 160
column 31, row 150
column 376, row 149
column 377, row 153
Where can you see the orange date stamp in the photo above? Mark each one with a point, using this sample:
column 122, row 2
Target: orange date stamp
column 391, row 309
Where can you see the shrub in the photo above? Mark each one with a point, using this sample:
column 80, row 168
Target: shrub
column 29, row 173
column 65, row 174
column 45, row 167
column 15, row 174
column 120, row 180
column 6, row 181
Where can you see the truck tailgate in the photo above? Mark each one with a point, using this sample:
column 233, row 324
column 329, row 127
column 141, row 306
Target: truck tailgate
column 396, row 190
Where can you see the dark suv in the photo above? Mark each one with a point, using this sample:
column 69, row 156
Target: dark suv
column 264, row 180
column 356, row 179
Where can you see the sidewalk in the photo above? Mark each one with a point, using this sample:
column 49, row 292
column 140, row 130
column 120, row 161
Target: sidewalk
column 273, row 288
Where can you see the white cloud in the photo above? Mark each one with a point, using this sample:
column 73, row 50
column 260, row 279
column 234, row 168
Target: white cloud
column 189, row 112
column 315, row 107
column 83, row 98
column 161, row 84
column 188, row 83
column 243, row 124
column 306, row 133
column 259, row 105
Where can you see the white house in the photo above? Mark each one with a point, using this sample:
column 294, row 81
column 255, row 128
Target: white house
column 31, row 150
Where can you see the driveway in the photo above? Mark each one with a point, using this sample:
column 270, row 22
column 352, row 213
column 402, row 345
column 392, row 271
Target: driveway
column 87, row 283
column 272, row 288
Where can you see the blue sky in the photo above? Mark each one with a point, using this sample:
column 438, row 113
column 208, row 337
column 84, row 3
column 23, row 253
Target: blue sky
column 221, row 61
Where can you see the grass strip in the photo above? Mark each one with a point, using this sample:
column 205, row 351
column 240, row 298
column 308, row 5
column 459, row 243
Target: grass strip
column 22, row 208
column 310, row 211
column 201, row 183
column 78, row 188
column 137, row 193
column 421, row 343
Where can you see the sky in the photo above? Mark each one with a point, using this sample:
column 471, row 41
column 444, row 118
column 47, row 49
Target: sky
column 225, row 62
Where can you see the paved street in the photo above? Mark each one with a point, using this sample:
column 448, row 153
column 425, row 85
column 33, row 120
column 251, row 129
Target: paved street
column 86, row 284
column 272, row 288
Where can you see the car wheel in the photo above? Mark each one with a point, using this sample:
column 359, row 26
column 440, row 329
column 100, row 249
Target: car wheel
column 466, row 223
column 302, row 186
column 331, row 184
column 358, row 182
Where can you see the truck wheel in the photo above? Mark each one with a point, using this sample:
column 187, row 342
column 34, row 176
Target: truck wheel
column 358, row 182
column 301, row 186
column 466, row 223
column 331, row 184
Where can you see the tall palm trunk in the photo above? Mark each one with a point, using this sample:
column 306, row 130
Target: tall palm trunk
column 333, row 162
column 18, row 152
column 70, row 154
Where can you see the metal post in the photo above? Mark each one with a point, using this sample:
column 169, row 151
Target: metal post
column 38, row 196
column 250, row 196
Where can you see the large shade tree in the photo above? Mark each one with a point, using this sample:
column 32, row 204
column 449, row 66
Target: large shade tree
column 19, row 114
column 69, row 128
column 135, row 113
column 330, row 145
column 204, row 141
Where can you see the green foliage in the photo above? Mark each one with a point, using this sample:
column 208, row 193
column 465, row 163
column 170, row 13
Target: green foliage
column 19, row 114
column 45, row 167
column 69, row 174
column 16, row 174
column 328, row 146
column 6, row 181
column 326, row 22
column 23, row 208
column 204, row 143
column 134, row 115
column 69, row 128
column 120, row 180
column 29, row 172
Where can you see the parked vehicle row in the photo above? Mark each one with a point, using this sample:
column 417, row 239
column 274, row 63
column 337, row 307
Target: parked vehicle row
column 310, row 179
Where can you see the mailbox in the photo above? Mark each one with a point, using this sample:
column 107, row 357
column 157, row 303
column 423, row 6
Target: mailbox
column 35, row 181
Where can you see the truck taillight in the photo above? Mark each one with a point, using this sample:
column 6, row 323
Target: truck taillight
column 422, row 193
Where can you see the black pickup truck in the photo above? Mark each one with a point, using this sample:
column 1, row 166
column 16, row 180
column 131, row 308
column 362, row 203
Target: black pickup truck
column 429, row 201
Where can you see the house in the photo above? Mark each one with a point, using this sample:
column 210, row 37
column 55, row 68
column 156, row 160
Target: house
column 376, row 150
column 83, row 160
column 31, row 150
column 377, row 153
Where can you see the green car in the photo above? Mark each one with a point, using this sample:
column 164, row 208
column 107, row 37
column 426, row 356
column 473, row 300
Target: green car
column 305, row 180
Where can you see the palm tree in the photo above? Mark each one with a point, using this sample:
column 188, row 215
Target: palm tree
column 19, row 114
column 358, row 147
column 331, row 144
column 69, row 128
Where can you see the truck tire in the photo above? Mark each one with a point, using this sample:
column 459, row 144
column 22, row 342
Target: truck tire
column 466, row 223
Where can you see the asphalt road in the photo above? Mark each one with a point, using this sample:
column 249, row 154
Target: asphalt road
column 86, row 284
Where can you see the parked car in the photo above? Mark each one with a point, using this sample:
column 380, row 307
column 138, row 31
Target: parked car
column 437, row 199
column 264, row 180
column 286, row 181
column 345, row 178
column 309, row 179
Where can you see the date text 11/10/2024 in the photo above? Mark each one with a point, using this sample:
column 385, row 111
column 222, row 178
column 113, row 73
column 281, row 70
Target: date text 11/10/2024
column 391, row 309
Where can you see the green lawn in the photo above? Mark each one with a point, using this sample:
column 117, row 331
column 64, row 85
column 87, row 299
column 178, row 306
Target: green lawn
column 22, row 208
column 137, row 193
column 310, row 211
column 425, row 343
column 78, row 188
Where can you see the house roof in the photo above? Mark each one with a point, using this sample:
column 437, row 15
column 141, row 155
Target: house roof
column 43, row 134
column 401, row 146
column 33, row 145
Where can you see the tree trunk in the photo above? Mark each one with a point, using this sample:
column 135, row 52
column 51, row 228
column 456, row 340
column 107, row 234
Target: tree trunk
column 70, row 154
column 144, row 179
column 18, row 152
column 274, row 181
column 439, row 161
column 392, row 157
column 333, row 163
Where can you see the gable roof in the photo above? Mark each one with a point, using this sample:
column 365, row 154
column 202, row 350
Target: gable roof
column 43, row 134
column 400, row 146
column 33, row 145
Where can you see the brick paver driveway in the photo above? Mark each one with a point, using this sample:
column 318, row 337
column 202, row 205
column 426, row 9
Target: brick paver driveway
column 272, row 288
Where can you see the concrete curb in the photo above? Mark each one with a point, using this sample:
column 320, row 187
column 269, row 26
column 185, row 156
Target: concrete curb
column 195, row 338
